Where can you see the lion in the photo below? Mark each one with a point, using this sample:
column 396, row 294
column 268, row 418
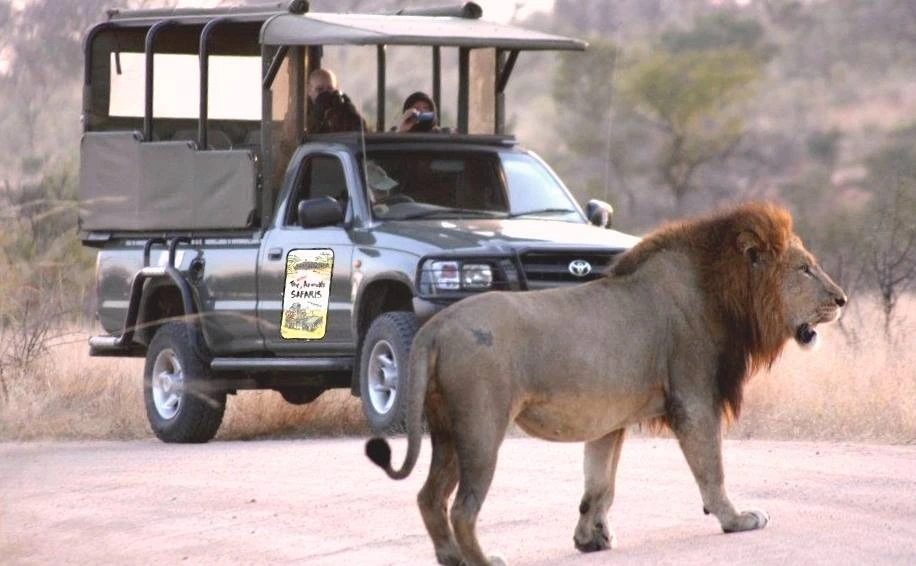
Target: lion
column 670, row 334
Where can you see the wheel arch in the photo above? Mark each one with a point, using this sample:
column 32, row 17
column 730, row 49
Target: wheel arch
column 161, row 301
column 389, row 292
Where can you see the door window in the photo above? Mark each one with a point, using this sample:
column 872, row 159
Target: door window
column 320, row 176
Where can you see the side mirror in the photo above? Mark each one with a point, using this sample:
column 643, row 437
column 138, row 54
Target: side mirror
column 318, row 212
column 599, row 213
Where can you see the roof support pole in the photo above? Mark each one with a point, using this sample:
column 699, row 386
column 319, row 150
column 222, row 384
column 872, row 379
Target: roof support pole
column 464, row 67
column 148, row 48
column 437, row 79
column 297, row 65
column 271, row 73
column 313, row 56
column 504, row 66
column 88, row 119
column 269, row 56
column 204, row 60
column 499, row 102
column 380, row 89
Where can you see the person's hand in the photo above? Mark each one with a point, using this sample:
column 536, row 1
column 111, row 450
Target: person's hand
column 408, row 119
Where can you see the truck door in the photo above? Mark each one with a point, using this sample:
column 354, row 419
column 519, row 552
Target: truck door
column 304, row 288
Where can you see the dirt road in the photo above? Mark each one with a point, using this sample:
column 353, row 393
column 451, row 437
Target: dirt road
column 322, row 502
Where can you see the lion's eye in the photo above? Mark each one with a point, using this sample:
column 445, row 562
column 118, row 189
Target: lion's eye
column 806, row 269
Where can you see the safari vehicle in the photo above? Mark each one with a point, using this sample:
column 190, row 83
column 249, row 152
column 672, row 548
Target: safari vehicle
column 235, row 252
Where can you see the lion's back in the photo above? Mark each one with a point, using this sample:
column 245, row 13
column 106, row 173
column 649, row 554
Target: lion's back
column 538, row 334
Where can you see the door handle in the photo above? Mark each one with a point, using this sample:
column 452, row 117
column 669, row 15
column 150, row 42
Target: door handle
column 274, row 253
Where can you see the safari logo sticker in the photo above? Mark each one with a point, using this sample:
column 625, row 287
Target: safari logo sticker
column 306, row 294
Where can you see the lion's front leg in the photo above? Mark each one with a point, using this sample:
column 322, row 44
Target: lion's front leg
column 698, row 429
column 601, row 457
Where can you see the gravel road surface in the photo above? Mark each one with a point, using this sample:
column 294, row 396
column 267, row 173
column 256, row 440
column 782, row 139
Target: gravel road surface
column 322, row 502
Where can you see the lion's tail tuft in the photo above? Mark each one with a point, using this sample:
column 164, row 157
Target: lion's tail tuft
column 379, row 452
column 422, row 360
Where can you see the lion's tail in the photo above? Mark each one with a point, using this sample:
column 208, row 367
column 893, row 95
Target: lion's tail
column 422, row 360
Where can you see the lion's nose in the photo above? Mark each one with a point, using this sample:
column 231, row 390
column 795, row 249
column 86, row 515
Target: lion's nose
column 841, row 301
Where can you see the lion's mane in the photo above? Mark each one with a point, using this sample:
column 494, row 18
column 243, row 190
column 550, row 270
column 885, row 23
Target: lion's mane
column 737, row 256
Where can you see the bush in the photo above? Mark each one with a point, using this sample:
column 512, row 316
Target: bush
column 46, row 270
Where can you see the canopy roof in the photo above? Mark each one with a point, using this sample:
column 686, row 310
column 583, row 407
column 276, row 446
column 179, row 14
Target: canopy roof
column 281, row 27
column 377, row 29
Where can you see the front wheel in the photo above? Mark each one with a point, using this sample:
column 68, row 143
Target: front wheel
column 383, row 370
column 181, row 404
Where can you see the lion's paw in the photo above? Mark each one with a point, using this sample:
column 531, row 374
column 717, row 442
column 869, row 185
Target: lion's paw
column 748, row 521
column 601, row 539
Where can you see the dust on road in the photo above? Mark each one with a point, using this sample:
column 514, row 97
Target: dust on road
column 322, row 502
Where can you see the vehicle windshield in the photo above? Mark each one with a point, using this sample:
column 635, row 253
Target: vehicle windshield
column 432, row 184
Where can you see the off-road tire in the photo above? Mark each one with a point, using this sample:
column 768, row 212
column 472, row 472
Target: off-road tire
column 182, row 404
column 383, row 371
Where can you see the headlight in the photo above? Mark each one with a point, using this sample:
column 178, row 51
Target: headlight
column 445, row 275
column 476, row 276
column 452, row 275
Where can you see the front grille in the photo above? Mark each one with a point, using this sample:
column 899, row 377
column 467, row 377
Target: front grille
column 545, row 269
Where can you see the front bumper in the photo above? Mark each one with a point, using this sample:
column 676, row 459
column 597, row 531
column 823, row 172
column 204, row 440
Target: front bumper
column 424, row 309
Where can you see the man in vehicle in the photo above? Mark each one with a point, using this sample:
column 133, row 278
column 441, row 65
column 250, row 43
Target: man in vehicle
column 331, row 110
column 419, row 115
column 321, row 80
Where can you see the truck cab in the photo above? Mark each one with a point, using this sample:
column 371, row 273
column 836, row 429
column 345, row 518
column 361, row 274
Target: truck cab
column 238, row 251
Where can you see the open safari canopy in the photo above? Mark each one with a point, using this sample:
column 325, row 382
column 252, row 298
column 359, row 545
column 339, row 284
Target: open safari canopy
column 211, row 165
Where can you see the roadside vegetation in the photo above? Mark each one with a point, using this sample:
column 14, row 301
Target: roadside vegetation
column 678, row 106
column 841, row 391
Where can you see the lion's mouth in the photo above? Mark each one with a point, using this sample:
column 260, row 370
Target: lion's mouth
column 830, row 314
column 805, row 334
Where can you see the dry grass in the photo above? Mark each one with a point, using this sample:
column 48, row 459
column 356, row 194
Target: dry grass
column 839, row 392
column 68, row 395
column 865, row 392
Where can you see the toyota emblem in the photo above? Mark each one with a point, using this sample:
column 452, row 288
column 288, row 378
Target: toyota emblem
column 580, row 267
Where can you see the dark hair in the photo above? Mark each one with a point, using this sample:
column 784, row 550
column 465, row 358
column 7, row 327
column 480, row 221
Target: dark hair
column 417, row 97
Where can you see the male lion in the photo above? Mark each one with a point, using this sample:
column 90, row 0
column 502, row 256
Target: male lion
column 672, row 334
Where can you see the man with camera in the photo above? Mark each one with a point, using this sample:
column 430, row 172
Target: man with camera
column 321, row 80
column 331, row 110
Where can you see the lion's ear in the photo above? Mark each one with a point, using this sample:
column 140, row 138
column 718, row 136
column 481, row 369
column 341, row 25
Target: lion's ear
column 750, row 245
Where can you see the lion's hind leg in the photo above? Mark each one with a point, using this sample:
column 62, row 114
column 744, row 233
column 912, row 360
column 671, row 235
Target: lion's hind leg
column 477, row 446
column 601, row 458
column 441, row 482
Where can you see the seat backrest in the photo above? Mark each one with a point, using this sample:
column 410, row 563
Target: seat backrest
column 216, row 139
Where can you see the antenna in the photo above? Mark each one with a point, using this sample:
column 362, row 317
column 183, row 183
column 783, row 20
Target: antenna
column 610, row 118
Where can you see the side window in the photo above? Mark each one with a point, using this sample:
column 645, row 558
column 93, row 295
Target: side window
column 319, row 176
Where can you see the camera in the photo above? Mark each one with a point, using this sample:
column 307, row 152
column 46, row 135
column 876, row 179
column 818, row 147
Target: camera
column 425, row 117
column 328, row 100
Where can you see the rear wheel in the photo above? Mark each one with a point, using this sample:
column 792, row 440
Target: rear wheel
column 383, row 370
column 181, row 403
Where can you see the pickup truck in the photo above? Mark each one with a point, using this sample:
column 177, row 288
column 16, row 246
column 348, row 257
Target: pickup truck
column 241, row 268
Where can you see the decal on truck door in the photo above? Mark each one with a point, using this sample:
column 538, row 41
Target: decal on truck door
column 306, row 294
